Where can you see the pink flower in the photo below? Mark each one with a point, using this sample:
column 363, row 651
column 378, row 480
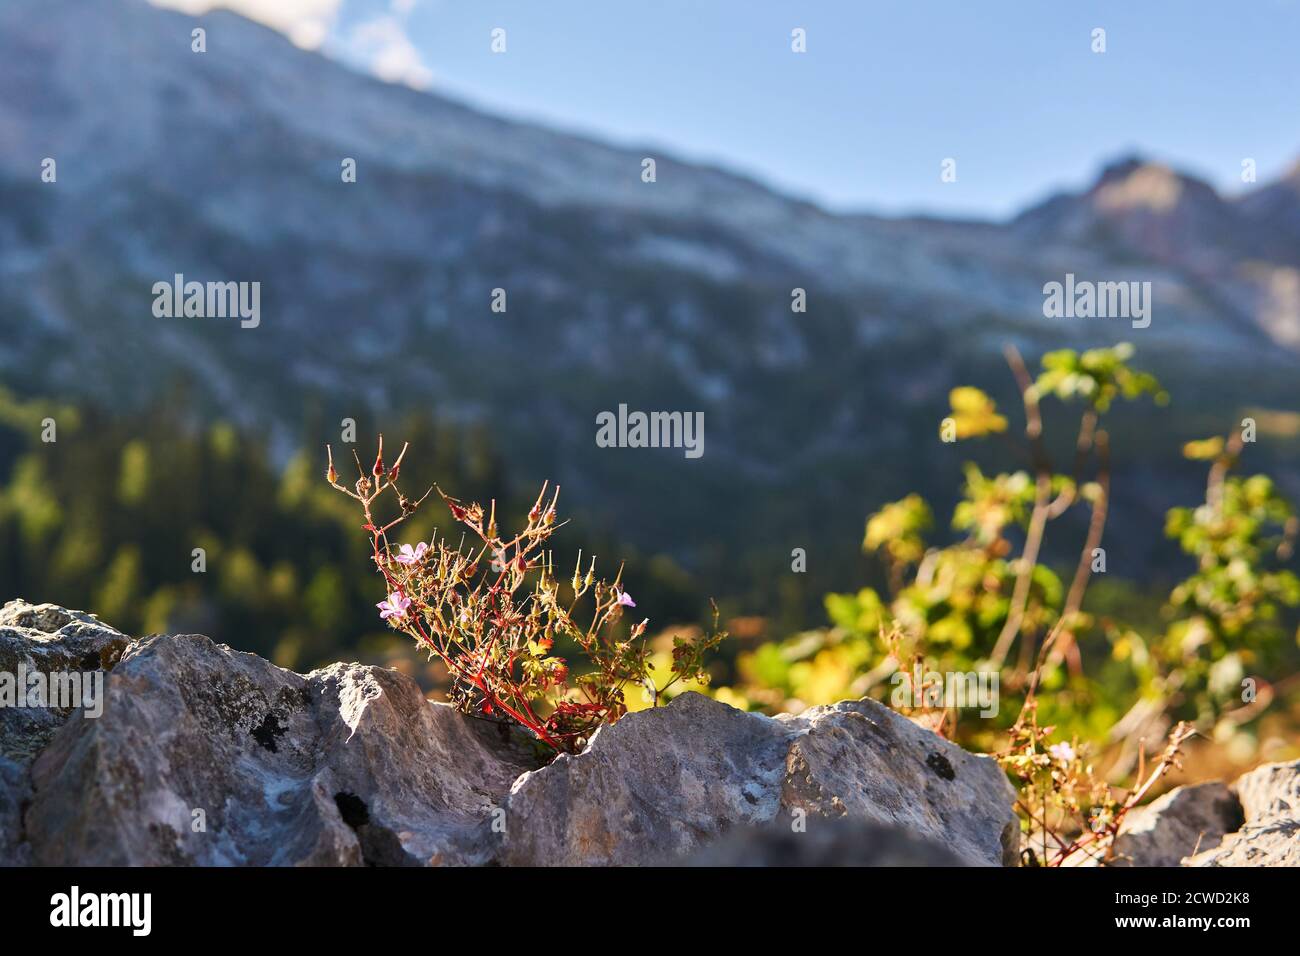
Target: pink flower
column 625, row 599
column 1062, row 752
column 409, row 555
column 395, row 607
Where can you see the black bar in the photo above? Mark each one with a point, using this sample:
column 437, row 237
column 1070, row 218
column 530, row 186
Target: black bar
column 303, row 906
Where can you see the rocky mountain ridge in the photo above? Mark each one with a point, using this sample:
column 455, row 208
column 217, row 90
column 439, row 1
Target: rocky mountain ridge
column 675, row 295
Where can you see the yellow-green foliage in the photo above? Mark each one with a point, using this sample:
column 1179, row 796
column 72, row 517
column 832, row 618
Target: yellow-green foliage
column 949, row 604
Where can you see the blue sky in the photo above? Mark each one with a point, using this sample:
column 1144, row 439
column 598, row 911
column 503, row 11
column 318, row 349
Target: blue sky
column 1011, row 89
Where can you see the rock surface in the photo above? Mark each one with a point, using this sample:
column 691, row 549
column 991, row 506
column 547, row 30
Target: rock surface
column 40, row 639
column 1182, row 822
column 15, row 791
column 46, row 639
column 208, row 756
column 1270, row 836
column 829, row 843
column 204, row 755
column 1253, row 822
column 662, row 783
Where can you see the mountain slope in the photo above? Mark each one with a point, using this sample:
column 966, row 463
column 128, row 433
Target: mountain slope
column 674, row 295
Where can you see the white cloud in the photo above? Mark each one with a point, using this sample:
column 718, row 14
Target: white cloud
column 384, row 48
column 379, row 45
column 305, row 22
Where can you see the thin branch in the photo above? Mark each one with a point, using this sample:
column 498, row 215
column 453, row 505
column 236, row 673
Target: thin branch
column 1083, row 570
column 1038, row 518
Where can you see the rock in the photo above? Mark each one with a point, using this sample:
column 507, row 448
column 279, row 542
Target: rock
column 208, row 756
column 1178, row 824
column 44, row 618
column 45, row 640
column 1276, row 843
column 1270, row 791
column 829, row 843
column 15, row 791
column 662, row 783
column 1270, row 836
column 198, row 754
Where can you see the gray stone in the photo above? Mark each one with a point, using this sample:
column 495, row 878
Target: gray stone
column 1176, row 825
column 827, row 843
column 663, row 783
column 204, row 755
column 1270, row 836
column 15, row 791
column 208, row 756
column 46, row 639
column 44, row 618
column 1270, row 791
column 49, row 640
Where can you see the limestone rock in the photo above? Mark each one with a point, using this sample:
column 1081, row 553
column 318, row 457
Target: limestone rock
column 15, row 791
column 1270, row 836
column 1270, row 791
column 45, row 640
column 1181, row 822
column 199, row 754
column 662, row 783
column 208, row 756
column 829, row 843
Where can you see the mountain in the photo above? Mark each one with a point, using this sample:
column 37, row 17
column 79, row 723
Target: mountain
column 1149, row 210
column 1244, row 252
column 674, row 295
column 1274, row 209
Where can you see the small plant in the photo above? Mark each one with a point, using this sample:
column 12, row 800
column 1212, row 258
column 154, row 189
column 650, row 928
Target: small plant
column 493, row 610
column 1068, row 812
